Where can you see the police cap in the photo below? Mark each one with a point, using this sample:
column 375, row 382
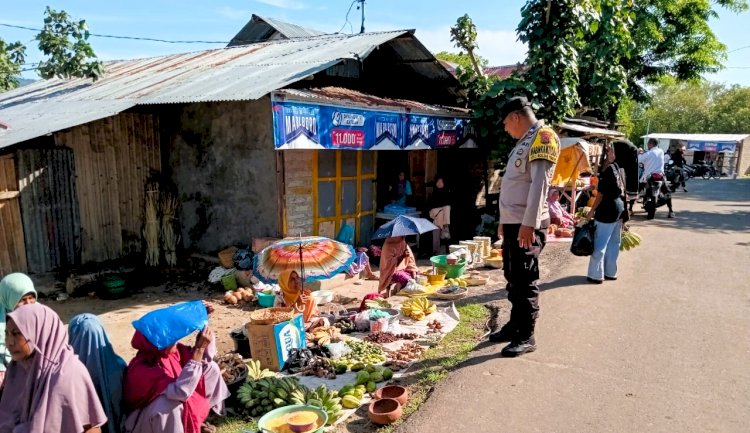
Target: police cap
column 514, row 104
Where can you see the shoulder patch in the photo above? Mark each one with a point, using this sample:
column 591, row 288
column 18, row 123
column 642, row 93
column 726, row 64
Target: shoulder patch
column 545, row 146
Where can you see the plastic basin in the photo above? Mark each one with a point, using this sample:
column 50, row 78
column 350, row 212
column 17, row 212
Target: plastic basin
column 285, row 411
column 440, row 263
column 265, row 300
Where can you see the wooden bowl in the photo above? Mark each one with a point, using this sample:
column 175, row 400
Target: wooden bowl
column 384, row 411
column 398, row 393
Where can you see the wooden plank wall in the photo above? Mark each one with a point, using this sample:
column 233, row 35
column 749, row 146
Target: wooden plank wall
column 12, row 247
column 114, row 158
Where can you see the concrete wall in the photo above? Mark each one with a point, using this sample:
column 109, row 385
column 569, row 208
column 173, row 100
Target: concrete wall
column 298, row 197
column 223, row 164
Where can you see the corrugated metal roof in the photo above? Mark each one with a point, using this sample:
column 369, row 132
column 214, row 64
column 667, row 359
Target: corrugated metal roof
column 348, row 97
column 260, row 29
column 698, row 137
column 588, row 130
column 228, row 74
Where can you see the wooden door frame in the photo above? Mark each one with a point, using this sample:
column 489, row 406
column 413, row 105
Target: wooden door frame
column 338, row 218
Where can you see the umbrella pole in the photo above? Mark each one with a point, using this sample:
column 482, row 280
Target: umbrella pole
column 301, row 263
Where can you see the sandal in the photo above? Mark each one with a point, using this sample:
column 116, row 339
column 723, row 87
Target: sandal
column 208, row 428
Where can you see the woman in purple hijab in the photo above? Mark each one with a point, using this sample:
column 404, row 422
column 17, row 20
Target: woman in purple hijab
column 47, row 389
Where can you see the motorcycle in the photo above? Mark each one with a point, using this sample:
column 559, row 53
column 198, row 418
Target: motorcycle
column 675, row 175
column 654, row 195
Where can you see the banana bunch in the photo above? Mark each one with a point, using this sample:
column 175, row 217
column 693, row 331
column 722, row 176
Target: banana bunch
column 456, row 282
column 322, row 397
column 264, row 395
column 325, row 335
column 254, row 372
column 418, row 308
column 629, row 240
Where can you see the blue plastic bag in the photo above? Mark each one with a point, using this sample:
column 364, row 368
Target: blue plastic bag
column 166, row 326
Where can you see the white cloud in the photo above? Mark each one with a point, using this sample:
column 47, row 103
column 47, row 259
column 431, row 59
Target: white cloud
column 499, row 47
column 284, row 4
column 234, row 13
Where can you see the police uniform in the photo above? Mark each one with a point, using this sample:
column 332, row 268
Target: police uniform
column 523, row 201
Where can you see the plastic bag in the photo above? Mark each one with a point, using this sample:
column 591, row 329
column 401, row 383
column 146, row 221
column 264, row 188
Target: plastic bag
column 412, row 287
column 362, row 320
column 338, row 350
column 166, row 326
column 583, row 239
column 243, row 259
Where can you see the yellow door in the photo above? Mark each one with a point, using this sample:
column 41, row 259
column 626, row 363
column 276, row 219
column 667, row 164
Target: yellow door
column 344, row 192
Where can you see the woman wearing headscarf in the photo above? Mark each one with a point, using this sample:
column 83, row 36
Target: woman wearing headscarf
column 15, row 290
column 557, row 214
column 47, row 389
column 294, row 295
column 609, row 213
column 395, row 258
column 90, row 342
column 173, row 390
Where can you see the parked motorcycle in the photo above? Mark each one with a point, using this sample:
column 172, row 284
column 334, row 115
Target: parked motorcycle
column 654, row 195
column 675, row 175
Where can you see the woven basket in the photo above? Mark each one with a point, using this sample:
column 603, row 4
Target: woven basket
column 280, row 314
column 460, row 293
column 226, row 257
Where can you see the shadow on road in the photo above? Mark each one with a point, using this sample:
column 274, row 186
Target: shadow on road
column 736, row 221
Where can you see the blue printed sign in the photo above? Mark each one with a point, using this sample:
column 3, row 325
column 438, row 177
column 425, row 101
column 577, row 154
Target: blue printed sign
column 712, row 146
column 299, row 125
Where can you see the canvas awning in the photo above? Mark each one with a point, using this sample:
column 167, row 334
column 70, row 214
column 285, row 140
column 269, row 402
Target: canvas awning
column 573, row 160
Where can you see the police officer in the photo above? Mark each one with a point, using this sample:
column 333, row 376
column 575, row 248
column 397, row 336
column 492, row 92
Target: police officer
column 524, row 217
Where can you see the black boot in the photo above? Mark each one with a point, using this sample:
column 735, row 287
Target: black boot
column 518, row 347
column 507, row 333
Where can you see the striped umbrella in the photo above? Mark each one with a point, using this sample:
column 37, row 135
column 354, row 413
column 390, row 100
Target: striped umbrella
column 314, row 258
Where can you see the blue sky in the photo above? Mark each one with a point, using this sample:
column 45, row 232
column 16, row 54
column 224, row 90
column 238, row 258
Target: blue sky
column 219, row 20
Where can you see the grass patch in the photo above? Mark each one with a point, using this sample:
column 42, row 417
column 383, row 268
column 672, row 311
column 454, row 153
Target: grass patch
column 236, row 425
column 438, row 361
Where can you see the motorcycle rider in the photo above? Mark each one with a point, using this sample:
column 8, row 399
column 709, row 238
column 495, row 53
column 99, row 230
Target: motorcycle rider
column 653, row 162
column 678, row 157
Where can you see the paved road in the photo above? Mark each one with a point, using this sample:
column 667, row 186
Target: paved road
column 666, row 348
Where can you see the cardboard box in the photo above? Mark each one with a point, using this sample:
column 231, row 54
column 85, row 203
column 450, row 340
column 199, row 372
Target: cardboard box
column 260, row 243
column 270, row 344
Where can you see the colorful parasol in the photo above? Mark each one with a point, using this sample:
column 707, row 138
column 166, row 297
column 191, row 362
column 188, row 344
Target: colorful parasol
column 315, row 258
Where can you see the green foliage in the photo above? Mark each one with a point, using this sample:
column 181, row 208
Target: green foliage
column 603, row 78
column 65, row 41
column 460, row 59
column 11, row 59
column 691, row 108
column 673, row 38
column 555, row 32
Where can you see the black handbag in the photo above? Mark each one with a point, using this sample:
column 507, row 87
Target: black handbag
column 583, row 239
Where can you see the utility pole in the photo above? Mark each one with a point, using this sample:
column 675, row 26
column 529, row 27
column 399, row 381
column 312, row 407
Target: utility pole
column 362, row 6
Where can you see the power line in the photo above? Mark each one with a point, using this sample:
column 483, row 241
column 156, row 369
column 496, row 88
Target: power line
column 134, row 38
column 346, row 19
column 738, row 49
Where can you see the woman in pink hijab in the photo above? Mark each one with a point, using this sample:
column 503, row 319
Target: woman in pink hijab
column 47, row 389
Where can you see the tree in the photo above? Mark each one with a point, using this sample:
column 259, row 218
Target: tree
column 11, row 60
column 63, row 41
column 692, row 107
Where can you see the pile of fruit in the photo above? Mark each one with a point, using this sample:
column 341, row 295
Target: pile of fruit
column 241, row 295
column 320, row 367
column 457, row 282
column 409, row 336
column 435, row 326
column 629, row 240
column 264, row 395
column 362, row 352
column 351, row 396
column 378, row 303
column 324, row 398
column 370, row 375
column 381, row 337
column 231, row 366
column 401, row 358
column 346, row 325
column 325, row 335
column 254, row 372
column 418, row 308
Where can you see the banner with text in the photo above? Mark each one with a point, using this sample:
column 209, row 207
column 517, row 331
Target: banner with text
column 299, row 125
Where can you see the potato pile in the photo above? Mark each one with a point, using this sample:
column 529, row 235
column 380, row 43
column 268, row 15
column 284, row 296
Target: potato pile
column 239, row 296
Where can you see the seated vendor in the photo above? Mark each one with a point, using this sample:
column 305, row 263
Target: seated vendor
column 397, row 264
column 558, row 215
column 299, row 298
column 173, row 390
